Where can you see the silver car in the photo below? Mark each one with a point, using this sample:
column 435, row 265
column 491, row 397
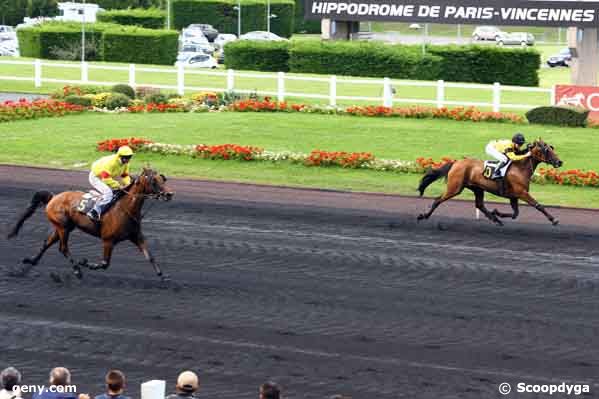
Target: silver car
column 486, row 33
column 261, row 35
column 522, row 38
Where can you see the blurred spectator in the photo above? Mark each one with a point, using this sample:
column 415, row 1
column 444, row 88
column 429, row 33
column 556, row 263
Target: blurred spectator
column 270, row 390
column 188, row 384
column 10, row 378
column 115, row 385
column 60, row 377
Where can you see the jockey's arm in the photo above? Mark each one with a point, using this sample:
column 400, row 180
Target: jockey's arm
column 108, row 180
column 126, row 178
column 511, row 154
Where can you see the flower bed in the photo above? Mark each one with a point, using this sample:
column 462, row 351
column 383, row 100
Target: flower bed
column 318, row 158
column 23, row 109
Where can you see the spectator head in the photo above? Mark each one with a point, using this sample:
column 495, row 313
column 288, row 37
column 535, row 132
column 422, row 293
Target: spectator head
column 270, row 390
column 115, row 382
column 340, row 397
column 9, row 378
column 188, row 382
column 60, row 376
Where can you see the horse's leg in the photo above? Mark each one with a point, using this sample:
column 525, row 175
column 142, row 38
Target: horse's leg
column 452, row 190
column 479, row 196
column 51, row 240
column 525, row 196
column 514, row 215
column 108, row 246
column 140, row 241
column 63, row 235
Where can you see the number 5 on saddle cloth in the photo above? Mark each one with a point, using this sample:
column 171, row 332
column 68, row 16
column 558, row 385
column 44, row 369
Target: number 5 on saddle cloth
column 89, row 199
column 490, row 170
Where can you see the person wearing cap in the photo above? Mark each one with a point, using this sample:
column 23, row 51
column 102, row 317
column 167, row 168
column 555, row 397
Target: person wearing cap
column 9, row 379
column 115, row 385
column 188, row 384
column 506, row 151
column 103, row 177
column 270, row 390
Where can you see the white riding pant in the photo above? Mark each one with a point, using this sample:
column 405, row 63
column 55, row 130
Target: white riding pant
column 492, row 151
column 103, row 189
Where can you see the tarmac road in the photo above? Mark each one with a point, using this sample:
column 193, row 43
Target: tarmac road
column 324, row 292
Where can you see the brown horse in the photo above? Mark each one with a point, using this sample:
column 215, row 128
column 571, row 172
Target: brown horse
column 120, row 223
column 468, row 173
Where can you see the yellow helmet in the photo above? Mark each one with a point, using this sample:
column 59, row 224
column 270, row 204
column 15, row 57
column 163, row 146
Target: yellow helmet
column 125, row 151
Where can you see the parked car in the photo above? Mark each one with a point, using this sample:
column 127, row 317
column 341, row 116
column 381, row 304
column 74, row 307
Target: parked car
column 197, row 48
column 562, row 58
column 8, row 51
column 7, row 33
column 521, row 38
column 486, row 33
column 222, row 39
column 192, row 36
column 206, row 29
column 196, row 60
column 262, row 35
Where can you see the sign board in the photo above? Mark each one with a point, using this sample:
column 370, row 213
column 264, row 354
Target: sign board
column 579, row 96
column 482, row 12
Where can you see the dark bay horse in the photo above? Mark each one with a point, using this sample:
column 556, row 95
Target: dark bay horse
column 120, row 223
column 468, row 173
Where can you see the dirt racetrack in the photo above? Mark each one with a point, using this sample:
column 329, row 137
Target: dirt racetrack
column 324, row 292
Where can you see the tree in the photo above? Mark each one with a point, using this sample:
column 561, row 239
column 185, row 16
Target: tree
column 42, row 8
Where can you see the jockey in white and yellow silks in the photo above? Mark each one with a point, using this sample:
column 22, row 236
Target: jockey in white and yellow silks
column 507, row 151
column 103, row 174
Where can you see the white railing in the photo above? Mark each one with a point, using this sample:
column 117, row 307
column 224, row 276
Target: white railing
column 388, row 98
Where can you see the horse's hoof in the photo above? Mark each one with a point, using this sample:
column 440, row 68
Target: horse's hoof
column 83, row 262
column 420, row 217
column 555, row 222
column 29, row 261
column 498, row 222
column 77, row 272
column 55, row 277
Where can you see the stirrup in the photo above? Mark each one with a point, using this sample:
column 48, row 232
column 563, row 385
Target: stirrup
column 94, row 215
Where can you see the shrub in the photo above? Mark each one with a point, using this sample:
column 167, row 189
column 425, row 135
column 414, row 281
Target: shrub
column 99, row 100
column 152, row 18
column 124, row 89
column 117, row 100
column 78, row 100
column 156, row 98
column 116, row 4
column 488, row 64
column 561, row 116
column 259, row 56
column 302, row 25
column 222, row 15
column 140, row 46
column 145, row 91
column 363, row 59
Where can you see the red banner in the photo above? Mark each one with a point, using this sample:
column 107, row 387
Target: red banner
column 579, row 96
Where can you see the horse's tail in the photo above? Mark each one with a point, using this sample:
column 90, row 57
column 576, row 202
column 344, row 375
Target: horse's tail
column 39, row 198
column 433, row 175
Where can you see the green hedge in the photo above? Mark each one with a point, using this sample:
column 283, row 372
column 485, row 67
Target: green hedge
column 12, row 12
column 304, row 25
column 363, row 59
column 49, row 39
column 123, row 4
column 560, row 116
column 115, row 43
column 152, row 18
column 140, row 46
column 259, row 56
column 488, row 64
column 222, row 15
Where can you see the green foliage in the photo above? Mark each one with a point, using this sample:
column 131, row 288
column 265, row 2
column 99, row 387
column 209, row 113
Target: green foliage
column 488, row 64
column 42, row 8
column 12, row 12
column 79, row 100
column 140, row 46
column 362, row 59
column 152, row 18
column 124, row 4
column 117, row 100
column 560, row 116
column 156, row 98
column 124, row 89
column 259, row 56
column 222, row 15
column 304, row 25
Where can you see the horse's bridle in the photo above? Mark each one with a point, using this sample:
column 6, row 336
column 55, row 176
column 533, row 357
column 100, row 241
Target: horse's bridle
column 156, row 196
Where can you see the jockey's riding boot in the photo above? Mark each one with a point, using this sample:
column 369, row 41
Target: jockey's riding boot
column 93, row 214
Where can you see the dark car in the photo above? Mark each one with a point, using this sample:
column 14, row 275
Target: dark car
column 207, row 29
column 562, row 58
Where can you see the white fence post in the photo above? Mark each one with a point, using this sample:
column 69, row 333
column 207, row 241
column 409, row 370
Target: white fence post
column 553, row 95
column 496, row 97
column 440, row 93
column 333, row 91
column 230, row 80
column 132, row 75
column 84, row 72
column 281, row 86
column 180, row 80
column 387, row 93
column 37, row 78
